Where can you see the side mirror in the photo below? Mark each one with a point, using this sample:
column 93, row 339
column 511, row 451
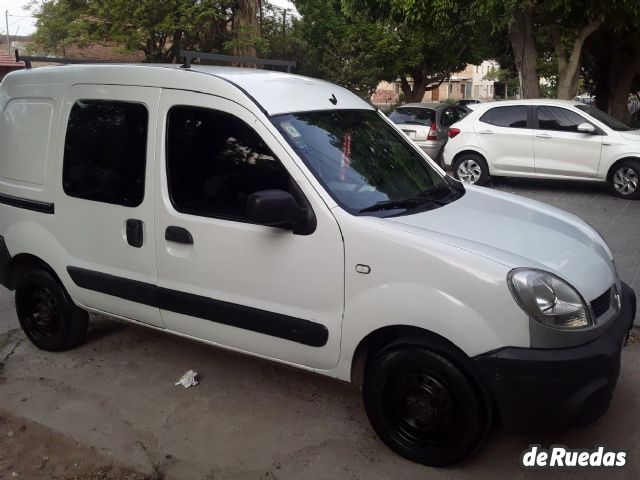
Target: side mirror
column 586, row 128
column 278, row 208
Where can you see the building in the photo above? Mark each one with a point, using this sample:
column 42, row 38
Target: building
column 469, row 83
column 8, row 64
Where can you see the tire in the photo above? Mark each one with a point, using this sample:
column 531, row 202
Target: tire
column 423, row 406
column 47, row 314
column 471, row 168
column 624, row 179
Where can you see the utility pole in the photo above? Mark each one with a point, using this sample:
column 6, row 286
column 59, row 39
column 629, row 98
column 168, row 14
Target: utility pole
column 284, row 21
column 6, row 19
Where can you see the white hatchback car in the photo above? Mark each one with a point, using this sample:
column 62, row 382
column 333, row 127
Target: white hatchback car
column 286, row 218
column 553, row 139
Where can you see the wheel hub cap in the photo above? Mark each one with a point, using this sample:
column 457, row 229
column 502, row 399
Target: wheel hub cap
column 625, row 180
column 469, row 171
column 420, row 407
column 43, row 314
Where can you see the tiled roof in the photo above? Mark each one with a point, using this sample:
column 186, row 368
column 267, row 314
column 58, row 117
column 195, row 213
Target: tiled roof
column 7, row 60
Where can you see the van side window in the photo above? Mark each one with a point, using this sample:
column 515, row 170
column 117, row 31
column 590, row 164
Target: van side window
column 105, row 152
column 511, row 116
column 215, row 161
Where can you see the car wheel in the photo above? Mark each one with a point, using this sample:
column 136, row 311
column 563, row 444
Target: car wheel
column 624, row 179
column 471, row 168
column 47, row 314
column 423, row 406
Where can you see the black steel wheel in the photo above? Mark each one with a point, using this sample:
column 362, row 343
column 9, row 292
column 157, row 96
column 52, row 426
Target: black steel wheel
column 47, row 315
column 423, row 406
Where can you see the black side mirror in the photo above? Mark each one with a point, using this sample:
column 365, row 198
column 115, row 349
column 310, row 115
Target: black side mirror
column 278, row 208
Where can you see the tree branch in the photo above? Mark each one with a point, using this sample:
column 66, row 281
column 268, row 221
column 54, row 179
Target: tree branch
column 574, row 60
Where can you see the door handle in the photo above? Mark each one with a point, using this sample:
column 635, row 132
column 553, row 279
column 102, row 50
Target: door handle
column 135, row 232
column 178, row 235
column 486, row 132
column 543, row 135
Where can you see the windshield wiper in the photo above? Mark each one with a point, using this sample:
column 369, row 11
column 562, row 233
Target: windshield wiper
column 407, row 203
column 437, row 194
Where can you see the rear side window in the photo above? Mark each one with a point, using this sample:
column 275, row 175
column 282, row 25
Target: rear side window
column 415, row 116
column 215, row 161
column 513, row 117
column 105, row 152
column 558, row 119
column 451, row 115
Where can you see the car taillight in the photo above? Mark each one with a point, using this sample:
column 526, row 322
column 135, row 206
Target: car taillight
column 453, row 132
column 433, row 132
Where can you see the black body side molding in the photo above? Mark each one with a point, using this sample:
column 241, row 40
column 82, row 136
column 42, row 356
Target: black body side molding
column 27, row 204
column 274, row 324
column 5, row 260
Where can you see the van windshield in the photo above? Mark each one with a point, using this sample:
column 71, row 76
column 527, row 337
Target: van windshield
column 365, row 164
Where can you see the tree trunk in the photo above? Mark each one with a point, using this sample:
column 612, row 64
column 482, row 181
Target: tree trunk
column 414, row 92
column 569, row 68
column 246, row 28
column 624, row 67
column 523, row 44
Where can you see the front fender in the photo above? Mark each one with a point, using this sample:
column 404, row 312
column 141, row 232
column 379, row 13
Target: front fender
column 424, row 283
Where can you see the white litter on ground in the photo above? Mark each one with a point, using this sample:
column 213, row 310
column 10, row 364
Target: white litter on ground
column 188, row 379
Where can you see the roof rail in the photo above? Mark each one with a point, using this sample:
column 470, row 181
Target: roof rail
column 186, row 54
column 27, row 59
column 189, row 56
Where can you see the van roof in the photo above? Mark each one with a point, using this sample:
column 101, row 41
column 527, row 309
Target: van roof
column 274, row 92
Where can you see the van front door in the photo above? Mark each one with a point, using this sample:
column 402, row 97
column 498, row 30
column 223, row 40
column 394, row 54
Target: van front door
column 104, row 208
column 250, row 287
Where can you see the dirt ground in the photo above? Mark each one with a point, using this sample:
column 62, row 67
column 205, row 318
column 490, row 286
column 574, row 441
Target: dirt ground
column 112, row 401
column 33, row 452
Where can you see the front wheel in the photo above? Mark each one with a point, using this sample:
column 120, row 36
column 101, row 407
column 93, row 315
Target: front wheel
column 624, row 180
column 423, row 406
column 471, row 168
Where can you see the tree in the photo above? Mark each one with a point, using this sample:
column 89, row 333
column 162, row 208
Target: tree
column 246, row 28
column 56, row 24
column 612, row 70
column 160, row 29
column 351, row 51
column 437, row 38
column 523, row 45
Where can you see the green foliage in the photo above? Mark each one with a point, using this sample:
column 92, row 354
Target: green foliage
column 352, row 51
column 159, row 28
column 438, row 37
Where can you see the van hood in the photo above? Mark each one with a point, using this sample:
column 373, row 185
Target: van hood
column 518, row 232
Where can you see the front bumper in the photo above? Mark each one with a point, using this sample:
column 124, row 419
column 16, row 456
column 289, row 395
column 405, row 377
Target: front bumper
column 538, row 390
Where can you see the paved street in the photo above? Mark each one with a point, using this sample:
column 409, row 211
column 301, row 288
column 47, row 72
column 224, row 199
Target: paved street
column 252, row 419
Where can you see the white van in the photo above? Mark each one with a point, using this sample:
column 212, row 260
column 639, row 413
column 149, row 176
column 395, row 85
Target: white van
column 284, row 217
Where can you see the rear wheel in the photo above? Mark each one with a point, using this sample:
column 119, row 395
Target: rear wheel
column 423, row 406
column 46, row 312
column 624, row 179
column 471, row 168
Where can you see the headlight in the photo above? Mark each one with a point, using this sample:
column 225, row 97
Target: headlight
column 549, row 299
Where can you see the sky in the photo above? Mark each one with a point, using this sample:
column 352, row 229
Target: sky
column 20, row 23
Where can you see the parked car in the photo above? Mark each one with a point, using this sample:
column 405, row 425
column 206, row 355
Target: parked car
column 427, row 124
column 545, row 139
column 286, row 218
column 468, row 102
